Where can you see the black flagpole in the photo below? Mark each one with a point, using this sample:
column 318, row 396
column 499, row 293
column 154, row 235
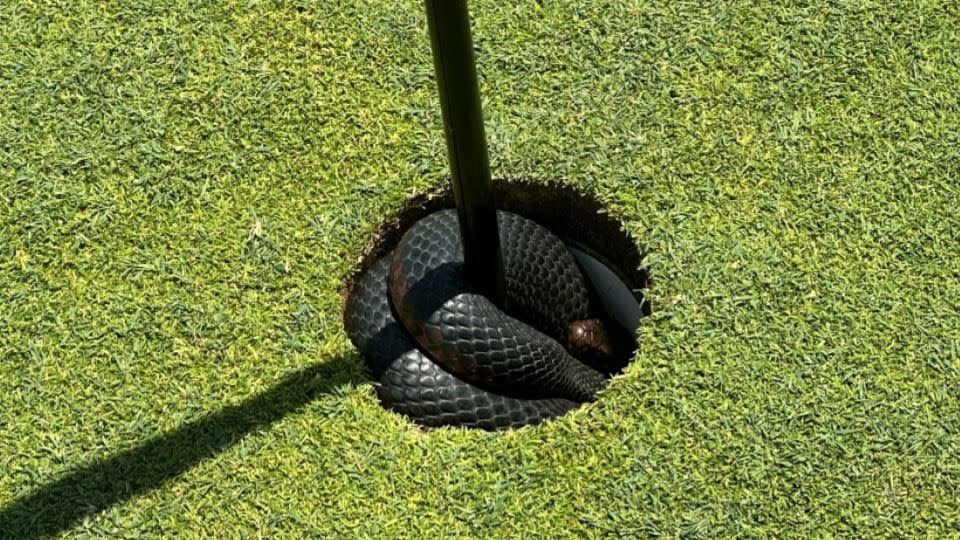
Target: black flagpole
column 449, row 25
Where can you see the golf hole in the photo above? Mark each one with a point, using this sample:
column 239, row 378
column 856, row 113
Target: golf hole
column 610, row 259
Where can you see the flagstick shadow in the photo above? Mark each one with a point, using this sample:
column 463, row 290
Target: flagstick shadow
column 92, row 488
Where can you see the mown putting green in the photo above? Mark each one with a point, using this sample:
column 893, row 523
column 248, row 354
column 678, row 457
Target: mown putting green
column 184, row 187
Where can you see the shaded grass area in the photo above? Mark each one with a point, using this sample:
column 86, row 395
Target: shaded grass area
column 91, row 488
column 184, row 185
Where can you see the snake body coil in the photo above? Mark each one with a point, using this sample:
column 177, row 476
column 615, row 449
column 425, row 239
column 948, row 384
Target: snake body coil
column 443, row 354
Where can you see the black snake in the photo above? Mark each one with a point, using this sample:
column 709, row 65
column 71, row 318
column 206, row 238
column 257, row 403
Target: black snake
column 443, row 354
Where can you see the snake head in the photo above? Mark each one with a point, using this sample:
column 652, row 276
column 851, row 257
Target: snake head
column 588, row 335
column 591, row 342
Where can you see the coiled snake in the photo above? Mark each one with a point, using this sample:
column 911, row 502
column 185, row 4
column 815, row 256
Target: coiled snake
column 442, row 354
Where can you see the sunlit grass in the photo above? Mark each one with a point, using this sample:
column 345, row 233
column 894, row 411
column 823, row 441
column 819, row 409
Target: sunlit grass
column 184, row 185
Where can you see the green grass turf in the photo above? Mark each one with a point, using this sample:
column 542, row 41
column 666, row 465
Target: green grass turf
column 185, row 184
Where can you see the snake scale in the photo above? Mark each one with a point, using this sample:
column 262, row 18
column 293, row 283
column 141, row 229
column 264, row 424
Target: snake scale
column 443, row 354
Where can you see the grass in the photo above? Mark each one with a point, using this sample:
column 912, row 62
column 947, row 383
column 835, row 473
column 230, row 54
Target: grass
column 184, row 185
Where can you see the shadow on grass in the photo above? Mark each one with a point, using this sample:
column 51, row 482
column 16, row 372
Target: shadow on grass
column 92, row 488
